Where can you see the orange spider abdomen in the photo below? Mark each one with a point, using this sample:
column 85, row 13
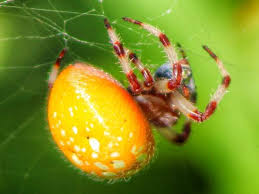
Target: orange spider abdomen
column 97, row 124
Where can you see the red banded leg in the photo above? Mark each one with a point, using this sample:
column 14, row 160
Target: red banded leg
column 148, row 79
column 169, row 50
column 178, row 138
column 186, row 92
column 185, row 89
column 179, row 46
column 172, row 55
column 55, row 68
column 188, row 109
column 125, row 64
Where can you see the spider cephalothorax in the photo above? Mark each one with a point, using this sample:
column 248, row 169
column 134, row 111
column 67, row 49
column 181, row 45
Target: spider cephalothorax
column 156, row 105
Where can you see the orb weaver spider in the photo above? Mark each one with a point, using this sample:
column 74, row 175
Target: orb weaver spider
column 104, row 129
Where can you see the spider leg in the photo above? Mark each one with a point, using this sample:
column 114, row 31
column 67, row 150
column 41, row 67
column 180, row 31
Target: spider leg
column 178, row 138
column 169, row 50
column 55, row 68
column 148, row 79
column 185, row 90
column 121, row 54
column 172, row 55
column 180, row 48
column 188, row 109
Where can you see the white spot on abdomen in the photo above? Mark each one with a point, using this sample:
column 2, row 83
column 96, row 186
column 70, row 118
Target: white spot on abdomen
column 101, row 166
column 77, row 148
column 63, row 132
column 106, row 133
column 118, row 164
column 110, row 145
column 70, row 109
column 76, row 159
column 115, row 154
column 94, row 155
column 95, row 145
column 75, row 129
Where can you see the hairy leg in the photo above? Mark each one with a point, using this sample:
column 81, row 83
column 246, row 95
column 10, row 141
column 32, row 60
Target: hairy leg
column 55, row 68
column 178, row 138
column 122, row 56
column 169, row 50
column 187, row 107
column 148, row 79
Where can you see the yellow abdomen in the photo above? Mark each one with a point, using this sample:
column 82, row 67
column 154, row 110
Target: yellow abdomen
column 97, row 124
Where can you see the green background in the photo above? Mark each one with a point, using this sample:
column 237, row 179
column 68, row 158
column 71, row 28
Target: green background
column 222, row 155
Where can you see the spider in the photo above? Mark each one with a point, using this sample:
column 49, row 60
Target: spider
column 104, row 129
column 172, row 90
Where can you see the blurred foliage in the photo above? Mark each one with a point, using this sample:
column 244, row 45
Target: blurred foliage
column 222, row 155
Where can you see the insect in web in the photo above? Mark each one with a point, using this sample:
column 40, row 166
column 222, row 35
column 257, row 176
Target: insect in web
column 104, row 129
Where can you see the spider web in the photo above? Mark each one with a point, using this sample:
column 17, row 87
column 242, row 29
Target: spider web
column 32, row 35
